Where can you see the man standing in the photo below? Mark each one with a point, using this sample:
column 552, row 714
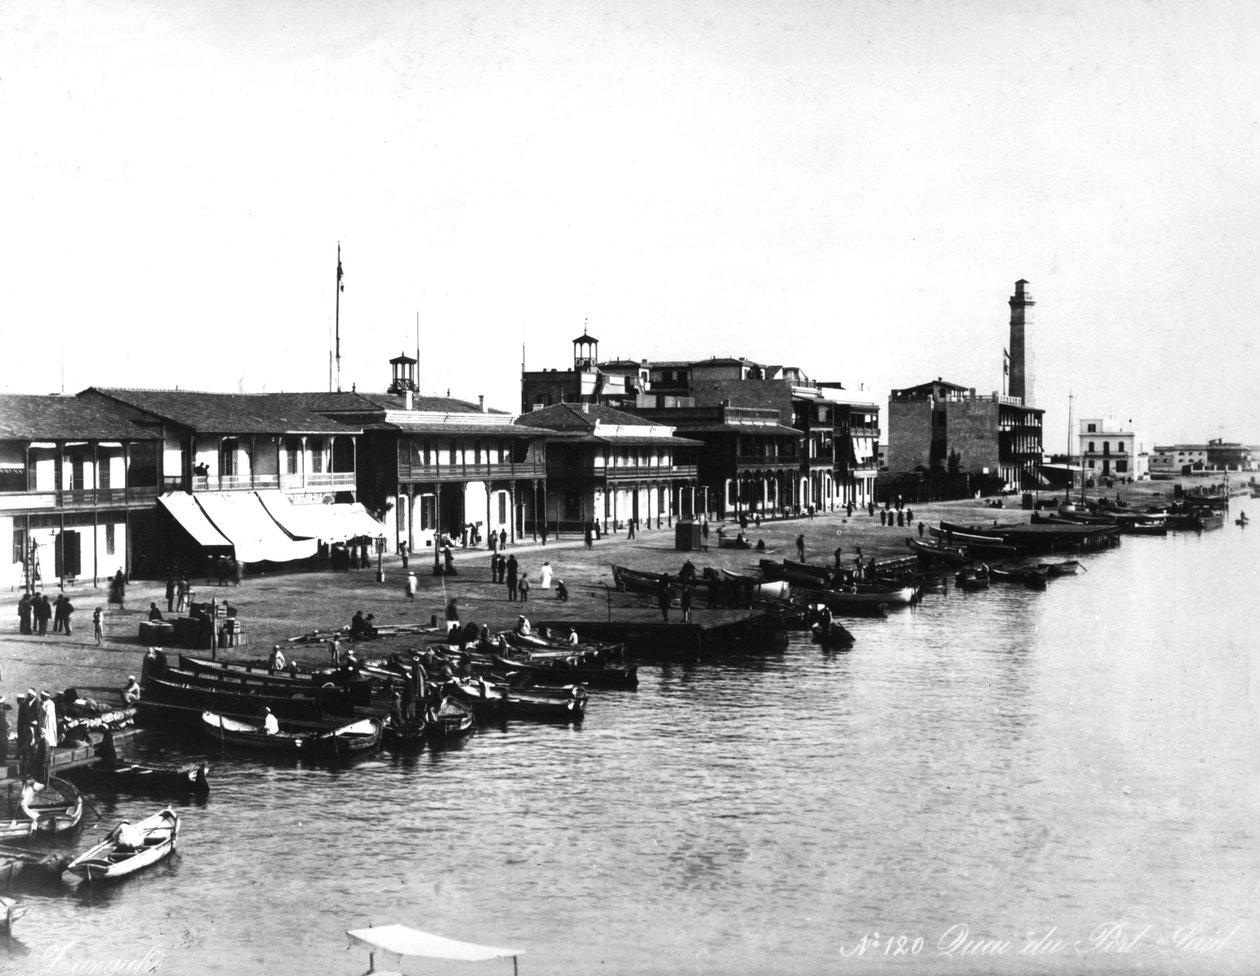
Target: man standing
column 511, row 577
column 98, row 628
column 24, row 614
column 800, row 547
column 502, row 538
column 662, row 597
column 170, row 594
column 67, row 608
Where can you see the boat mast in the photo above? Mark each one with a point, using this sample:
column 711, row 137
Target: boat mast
column 1069, row 453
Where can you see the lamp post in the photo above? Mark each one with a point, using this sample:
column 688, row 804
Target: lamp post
column 380, row 552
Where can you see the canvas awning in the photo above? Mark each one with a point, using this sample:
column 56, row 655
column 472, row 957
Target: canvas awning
column 331, row 523
column 401, row 940
column 240, row 516
column 189, row 515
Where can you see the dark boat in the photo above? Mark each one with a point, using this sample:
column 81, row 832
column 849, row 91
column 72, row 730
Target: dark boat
column 834, row 636
column 404, row 735
column 252, row 736
column 202, row 697
column 636, row 581
column 359, row 687
column 147, row 777
column 453, row 719
column 1067, row 567
column 18, row 863
column 973, row 579
column 570, row 669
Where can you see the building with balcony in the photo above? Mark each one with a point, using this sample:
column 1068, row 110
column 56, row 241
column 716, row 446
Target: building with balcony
column 1110, row 453
column 252, row 476
column 436, row 465
column 1211, row 459
column 995, row 436
column 78, row 480
column 606, row 467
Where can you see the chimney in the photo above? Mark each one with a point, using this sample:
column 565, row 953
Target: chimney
column 410, row 402
column 586, row 408
column 481, row 402
column 1021, row 384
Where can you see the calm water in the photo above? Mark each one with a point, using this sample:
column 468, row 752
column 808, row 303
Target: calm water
column 1016, row 763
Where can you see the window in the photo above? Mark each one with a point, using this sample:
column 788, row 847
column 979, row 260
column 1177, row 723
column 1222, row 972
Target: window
column 1122, row 467
column 503, row 508
column 1091, row 462
column 1091, row 447
column 1120, row 447
column 1092, row 429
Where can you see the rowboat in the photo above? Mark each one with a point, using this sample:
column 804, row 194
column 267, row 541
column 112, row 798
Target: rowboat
column 129, row 848
column 568, row 670
column 403, row 735
column 804, row 575
column 1067, row 567
column 975, row 543
column 973, row 579
column 636, row 581
column 55, row 807
column 452, row 720
column 202, row 697
column 353, row 739
column 252, row 735
column 839, row 601
column 834, row 636
column 938, row 552
column 761, row 589
column 1032, row 578
column 148, row 777
column 258, row 675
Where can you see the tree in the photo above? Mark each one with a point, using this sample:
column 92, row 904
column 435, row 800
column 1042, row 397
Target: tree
column 954, row 463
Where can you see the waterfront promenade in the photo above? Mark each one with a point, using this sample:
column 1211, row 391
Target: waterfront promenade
column 278, row 606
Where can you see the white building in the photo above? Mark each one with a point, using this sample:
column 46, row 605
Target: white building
column 1110, row 452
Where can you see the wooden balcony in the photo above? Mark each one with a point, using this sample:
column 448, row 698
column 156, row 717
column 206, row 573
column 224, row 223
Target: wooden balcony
column 76, row 500
column 471, row 472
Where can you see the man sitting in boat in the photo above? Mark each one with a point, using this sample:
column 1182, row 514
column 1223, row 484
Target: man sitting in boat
column 271, row 724
column 573, row 636
column 131, row 693
column 275, row 661
column 522, row 626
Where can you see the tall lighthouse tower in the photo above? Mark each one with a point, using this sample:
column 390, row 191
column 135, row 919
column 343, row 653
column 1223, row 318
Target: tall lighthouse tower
column 1021, row 355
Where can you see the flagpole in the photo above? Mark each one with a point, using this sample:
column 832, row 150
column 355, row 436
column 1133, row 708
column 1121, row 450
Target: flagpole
column 338, row 316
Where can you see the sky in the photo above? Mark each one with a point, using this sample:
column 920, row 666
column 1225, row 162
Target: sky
column 848, row 187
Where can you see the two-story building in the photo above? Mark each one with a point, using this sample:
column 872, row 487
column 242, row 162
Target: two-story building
column 606, row 467
column 78, row 480
column 1109, row 452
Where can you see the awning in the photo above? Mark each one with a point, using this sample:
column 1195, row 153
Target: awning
column 404, row 941
column 331, row 523
column 186, row 512
column 240, row 516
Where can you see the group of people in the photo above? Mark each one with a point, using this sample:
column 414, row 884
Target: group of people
column 44, row 719
column 179, row 593
column 363, row 628
column 34, row 612
column 902, row 517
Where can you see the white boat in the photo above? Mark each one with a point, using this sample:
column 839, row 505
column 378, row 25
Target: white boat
column 399, row 942
column 129, row 848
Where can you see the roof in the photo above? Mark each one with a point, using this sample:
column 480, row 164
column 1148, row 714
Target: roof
column 739, row 429
column 931, row 385
column 402, row 940
column 671, row 439
column 43, row 418
column 228, row 413
column 580, row 416
column 355, row 402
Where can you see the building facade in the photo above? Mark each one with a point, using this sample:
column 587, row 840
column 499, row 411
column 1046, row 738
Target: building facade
column 1110, row 453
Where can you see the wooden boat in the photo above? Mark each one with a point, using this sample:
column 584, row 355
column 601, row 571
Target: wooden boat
column 761, row 589
column 404, row 735
column 18, row 863
column 129, row 848
column 452, row 720
column 1086, row 518
column 837, row 635
column 252, row 735
column 568, row 670
column 353, row 739
column 256, row 675
column 839, row 601
column 1067, row 567
column 974, row 544
column 1031, row 578
column 148, row 777
column 973, row 579
column 938, row 553
column 198, row 698
column 635, row 581
column 55, row 808
column 804, row 575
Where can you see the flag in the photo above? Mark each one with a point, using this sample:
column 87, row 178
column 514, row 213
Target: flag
column 1006, row 363
column 340, row 273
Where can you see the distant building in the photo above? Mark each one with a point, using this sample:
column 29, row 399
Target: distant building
column 744, row 412
column 605, row 467
column 1213, row 458
column 992, row 435
column 1108, row 452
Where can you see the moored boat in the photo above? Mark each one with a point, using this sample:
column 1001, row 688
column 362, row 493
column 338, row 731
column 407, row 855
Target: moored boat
column 570, row 669
column 253, row 736
column 129, row 848
column 451, row 720
column 27, row 865
column 938, row 553
column 55, row 807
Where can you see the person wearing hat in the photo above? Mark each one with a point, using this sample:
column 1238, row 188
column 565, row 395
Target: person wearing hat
column 131, row 693
column 522, row 626
column 271, row 725
column 275, row 662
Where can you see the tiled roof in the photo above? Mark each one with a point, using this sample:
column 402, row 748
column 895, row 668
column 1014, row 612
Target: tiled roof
column 54, row 418
column 578, row 416
column 229, row 413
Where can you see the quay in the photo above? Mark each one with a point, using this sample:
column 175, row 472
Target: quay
column 63, row 758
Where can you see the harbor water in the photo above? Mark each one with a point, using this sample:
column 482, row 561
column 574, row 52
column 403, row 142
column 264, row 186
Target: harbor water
column 999, row 781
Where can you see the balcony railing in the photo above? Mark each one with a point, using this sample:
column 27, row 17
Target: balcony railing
column 472, row 472
column 76, row 499
column 257, row 482
column 625, row 472
column 764, row 461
